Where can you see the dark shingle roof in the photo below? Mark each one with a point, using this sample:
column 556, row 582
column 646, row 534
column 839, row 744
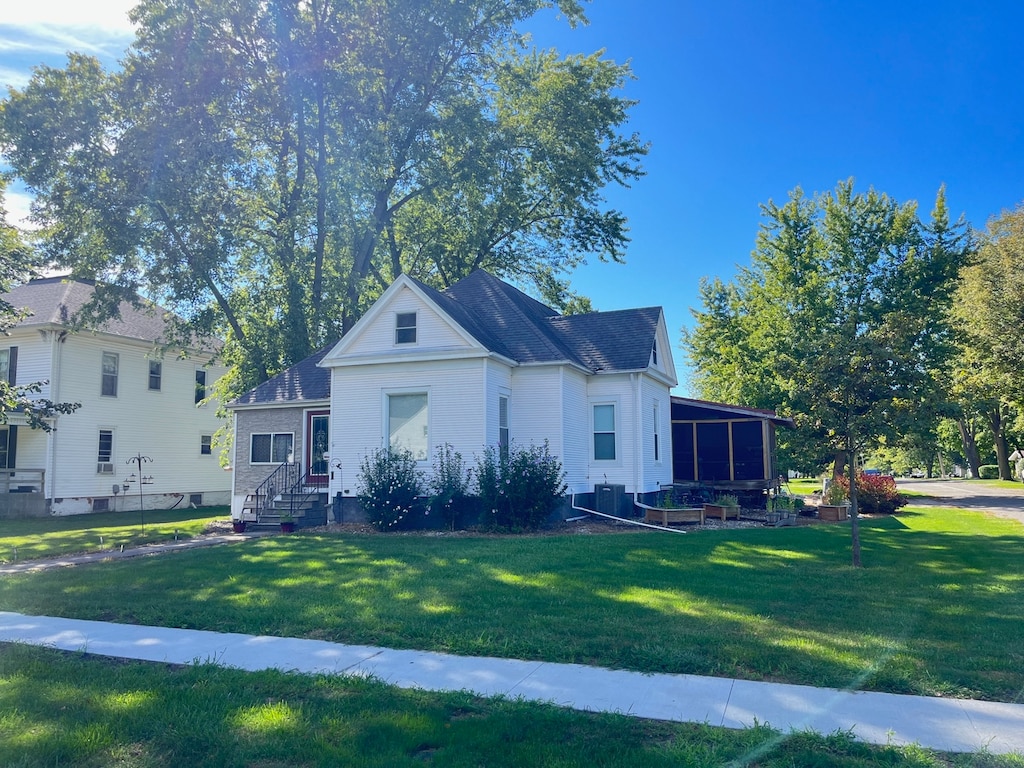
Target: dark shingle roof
column 57, row 300
column 509, row 323
column 303, row 381
column 527, row 331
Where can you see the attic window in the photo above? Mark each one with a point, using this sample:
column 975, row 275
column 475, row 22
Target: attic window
column 654, row 353
column 405, row 328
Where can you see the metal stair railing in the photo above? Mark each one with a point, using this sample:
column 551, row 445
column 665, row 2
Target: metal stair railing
column 302, row 490
column 282, row 477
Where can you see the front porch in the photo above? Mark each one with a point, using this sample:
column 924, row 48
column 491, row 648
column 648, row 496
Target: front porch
column 22, row 493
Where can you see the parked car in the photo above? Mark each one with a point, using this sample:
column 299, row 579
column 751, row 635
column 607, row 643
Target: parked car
column 917, row 473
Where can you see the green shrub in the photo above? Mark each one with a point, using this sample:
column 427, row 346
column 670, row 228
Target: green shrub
column 449, row 485
column 988, row 471
column 389, row 484
column 519, row 490
column 876, row 494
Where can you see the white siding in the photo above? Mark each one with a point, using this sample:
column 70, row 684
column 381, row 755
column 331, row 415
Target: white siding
column 537, row 392
column 165, row 425
column 656, row 473
column 432, row 332
column 498, row 383
column 624, row 469
column 34, row 354
column 576, row 428
column 456, row 411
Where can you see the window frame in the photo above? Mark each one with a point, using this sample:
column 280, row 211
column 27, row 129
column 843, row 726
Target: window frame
column 657, row 433
column 157, row 376
column 206, row 445
column 387, row 432
column 406, row 334
column 110, row 450
column 504, row 429
column 9, row 367
column 200, row 384
column 290, row 457
column 107, row 377
column 616, row 456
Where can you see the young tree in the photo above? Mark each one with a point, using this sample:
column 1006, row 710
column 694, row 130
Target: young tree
column 266, row 169
column 843, row 314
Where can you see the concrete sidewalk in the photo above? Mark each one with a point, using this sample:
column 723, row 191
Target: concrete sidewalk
column 955, row 725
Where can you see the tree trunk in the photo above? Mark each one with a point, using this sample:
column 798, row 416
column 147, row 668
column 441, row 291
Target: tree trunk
column 970, row 447
column 854, row 525
column 998, row 425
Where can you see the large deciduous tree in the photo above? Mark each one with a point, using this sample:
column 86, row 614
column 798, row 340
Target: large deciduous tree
column 16, row 265
column 990, row 316
column 841, row 320
column 267, row 168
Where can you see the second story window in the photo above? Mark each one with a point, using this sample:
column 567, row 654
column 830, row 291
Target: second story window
column 200, row 385
column 405, row 328
column 9, row 365
column 110, row 363
column 156, row 369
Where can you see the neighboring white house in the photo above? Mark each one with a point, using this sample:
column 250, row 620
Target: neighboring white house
column 478, row 364
column 137, row 398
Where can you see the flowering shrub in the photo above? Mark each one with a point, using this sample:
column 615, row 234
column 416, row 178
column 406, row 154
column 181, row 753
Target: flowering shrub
column 389, row 484
column 449, row 484
column 876, row 494
column 519, row 490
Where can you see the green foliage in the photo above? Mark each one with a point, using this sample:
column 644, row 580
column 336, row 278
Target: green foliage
column 266, row 169
column 390, row 486
column 988, row 472
column 876, row 494
column 519, row 489
column 16, row 265
column 837, row 492
column 726, row 500
column 449, row 484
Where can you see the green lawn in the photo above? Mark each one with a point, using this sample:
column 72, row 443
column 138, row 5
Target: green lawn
column 71, row 709
column 938, row 609
column 32, row 538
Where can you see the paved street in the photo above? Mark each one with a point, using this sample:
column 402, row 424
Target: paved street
column 968, row 494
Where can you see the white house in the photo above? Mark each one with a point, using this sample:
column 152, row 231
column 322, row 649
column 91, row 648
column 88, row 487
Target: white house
column 478, row 364
column 138, row 398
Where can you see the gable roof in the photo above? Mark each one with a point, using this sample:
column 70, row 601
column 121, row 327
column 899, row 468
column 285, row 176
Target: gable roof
column 57, row 300
column 508, row 322
column 303, row 382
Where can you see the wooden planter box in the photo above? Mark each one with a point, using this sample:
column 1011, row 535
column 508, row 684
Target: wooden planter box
column 721, row 512
column 834, row 513
column 676, row 515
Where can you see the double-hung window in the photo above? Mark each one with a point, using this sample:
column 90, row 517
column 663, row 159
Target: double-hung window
column 271, row 448
column 206, row 445
column 503, row 430
column 110, row 365
column 604, row 432
column 407, row 423
column 156, row 372
column 200, row 385
column 105, row 453
column 9, row 365
column 405, row 328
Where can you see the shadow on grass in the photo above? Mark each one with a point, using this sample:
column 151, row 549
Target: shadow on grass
column 932, row 612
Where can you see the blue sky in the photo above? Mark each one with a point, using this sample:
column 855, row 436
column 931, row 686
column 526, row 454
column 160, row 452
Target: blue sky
column 742, row 102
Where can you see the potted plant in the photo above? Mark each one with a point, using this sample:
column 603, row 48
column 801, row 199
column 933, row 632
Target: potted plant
column 238, row 525
column 724, row 505
column 287, row 522
column 834, row 504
